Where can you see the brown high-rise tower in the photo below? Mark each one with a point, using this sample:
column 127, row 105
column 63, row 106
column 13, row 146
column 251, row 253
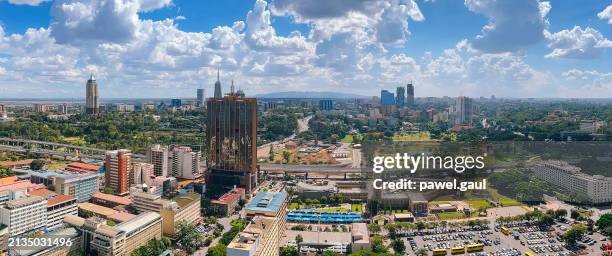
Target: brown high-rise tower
column 118, row 167
column 232, row 141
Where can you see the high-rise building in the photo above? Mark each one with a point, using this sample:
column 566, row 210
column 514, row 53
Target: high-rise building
column 82, row 186
column 185, row 163
column 262, row 236
column 463, row 110
column 92, row 104
column 386, row 98
column 40, row 108
column 410, row 94
column 141, row 172
column 232, row 142
column 176, row 103
column 118, row 168
column 62, row 109
column 400, row 96
column 326, row 105
column 158, row 156
column 24, row 215
column 218, row 94
column 201, row 98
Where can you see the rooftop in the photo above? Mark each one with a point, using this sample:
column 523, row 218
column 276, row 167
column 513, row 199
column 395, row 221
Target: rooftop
column 58, row 199
column 112, row 198
column 360, row 233
column 23, row 202
column 16, row 163
column 21, row 184
column 229, row 196
column 313, row 237
column 8, row 180
column 83, row 166
column 43, row 192
column 122, row 216
column 186, row 199
column 98, row 209
column 138, row 222
column 46, row 174
column 267, row 202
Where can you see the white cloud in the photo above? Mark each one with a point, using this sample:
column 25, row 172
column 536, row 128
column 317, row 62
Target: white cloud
column 512, row 24
column 577, row 43
column 28, row 2
column 606, row 14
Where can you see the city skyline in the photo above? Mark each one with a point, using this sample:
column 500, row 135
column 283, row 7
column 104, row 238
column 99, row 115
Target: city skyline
column 164, row 49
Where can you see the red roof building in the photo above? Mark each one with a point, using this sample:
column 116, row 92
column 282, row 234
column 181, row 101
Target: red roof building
column 83, row 167
column 228, row 202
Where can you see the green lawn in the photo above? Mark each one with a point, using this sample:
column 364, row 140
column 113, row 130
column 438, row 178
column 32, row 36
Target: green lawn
column 450, row 215
column 501, row 199
column 356, row 207
column 350, row 138
column 419, row 136
column 478, row 203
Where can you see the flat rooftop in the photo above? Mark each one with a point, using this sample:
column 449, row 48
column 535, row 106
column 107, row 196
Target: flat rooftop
column 269, row 202
column 98, row 209
column 112, row 198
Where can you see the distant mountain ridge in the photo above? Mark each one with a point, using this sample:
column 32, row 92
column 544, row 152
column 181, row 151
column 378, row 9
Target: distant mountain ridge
column 310, row 95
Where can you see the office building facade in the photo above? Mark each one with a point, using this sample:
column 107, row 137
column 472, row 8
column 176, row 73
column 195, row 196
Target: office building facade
column 24, row 215
column 463, row 111
column 81, row 186
column 92, row 99
column 118, row 168
column 596, row 188
column 410, row 94
column 400, row 96
column 232, row 142
column 200, row 98
column 158, row 156
column 326, row 105
column 141, row 173
column 185, row 163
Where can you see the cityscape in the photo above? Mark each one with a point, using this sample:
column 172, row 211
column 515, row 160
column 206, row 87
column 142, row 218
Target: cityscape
column 240, row 164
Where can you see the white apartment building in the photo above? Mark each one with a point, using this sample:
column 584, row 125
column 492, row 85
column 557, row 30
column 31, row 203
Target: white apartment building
column 82, row 186
column 597, row 188
column 57, row 208
column 148, row 202
column 185, row 163
column 24, row 215
column 141, row 173
column 158, row 156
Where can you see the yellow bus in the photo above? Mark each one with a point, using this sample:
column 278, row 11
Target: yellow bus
column 505, row 230
column 475, row 247
column 458, row 250
column 528, row 253
column 439, row 252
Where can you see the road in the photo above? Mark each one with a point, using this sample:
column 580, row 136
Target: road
column 263, row 151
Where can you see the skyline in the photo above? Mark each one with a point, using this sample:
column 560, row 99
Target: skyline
column 168, row 49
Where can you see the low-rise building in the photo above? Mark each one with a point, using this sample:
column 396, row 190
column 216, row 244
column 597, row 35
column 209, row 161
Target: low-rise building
column 596, row 188
column 83, row 167
column 226, row 204
column 58, row 207
column 184, row 208
column 88, row 210
column 361, row 237
column 122, row 239
column 318, row 242
column 109, row 200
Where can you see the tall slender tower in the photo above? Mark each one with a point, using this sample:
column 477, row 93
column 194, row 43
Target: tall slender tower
column 118, row 167
column 201, row 100
column 410, row 94
column 218, row 94
column 92, row 104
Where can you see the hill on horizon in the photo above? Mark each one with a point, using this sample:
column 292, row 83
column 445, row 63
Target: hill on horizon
column 310, row 95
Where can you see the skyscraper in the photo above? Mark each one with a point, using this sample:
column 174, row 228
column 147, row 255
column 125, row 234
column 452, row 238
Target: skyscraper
column 201, row 99
column 92, row 104
column 410, row 94
column 158, row 156
column 232, row 142
column 185, row 162
column 386, row 98
column 400, row 96
column 118, row 168
column 463, row 110
column 218, row 94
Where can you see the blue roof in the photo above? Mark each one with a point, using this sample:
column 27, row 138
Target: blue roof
column 46, row 174
column 267, row 201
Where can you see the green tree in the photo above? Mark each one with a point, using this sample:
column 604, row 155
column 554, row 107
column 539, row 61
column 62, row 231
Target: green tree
column 604, row 221
column 286, row 156
column 398, row 246
column 288, row 251
column 330, row 253
column 574, row 233
column 217, row 250
column 421, row 252
column 377, row 244
column 373, row 228
column 574, row 214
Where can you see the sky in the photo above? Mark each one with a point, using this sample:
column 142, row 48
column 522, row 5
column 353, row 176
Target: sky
column 169, row 48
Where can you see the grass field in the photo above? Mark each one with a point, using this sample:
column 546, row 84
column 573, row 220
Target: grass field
column 450, row 215
column 477, row 203
column 419, row 136
column 350, row 138
column 357, row 207
column 74, row 140
column 501, row 199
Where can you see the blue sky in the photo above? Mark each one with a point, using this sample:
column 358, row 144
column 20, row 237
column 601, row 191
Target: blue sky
column 168, row 48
